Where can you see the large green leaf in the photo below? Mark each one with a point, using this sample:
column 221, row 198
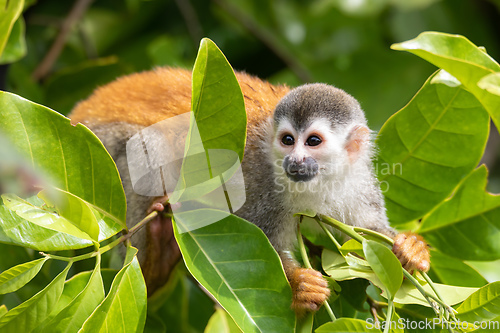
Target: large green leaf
column 72, row 156
column 28, row 315
column 75, row 210
column 462, row 59
column 342, row 325
column 453, row 271
column 9, row 12
column 385, row 264
column 124, row 308
column 72, row 317
column 41, row 217
column 482, row 305
column 429, row 146
column 235, row 262
column 217, row 135
column 475, row 224
column 221, row 322
column 217, row 101
column 17, row 276
column 72, row 288
column 18, row 231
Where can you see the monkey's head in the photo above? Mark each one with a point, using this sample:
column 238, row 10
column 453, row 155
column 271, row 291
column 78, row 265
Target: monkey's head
column 319, row 131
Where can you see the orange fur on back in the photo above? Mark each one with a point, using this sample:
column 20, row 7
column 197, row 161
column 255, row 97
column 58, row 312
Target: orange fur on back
column 148, row 97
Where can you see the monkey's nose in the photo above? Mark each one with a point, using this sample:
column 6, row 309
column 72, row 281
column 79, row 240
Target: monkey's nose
column 301, row 171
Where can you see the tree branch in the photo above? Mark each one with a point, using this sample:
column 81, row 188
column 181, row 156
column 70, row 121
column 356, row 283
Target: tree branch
column 50, row 58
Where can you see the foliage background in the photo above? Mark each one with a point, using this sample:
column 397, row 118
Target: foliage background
column 292, row 42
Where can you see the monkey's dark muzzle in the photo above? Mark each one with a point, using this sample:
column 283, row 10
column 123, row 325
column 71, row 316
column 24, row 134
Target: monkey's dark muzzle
column 300, row 171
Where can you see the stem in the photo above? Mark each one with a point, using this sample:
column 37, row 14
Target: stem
column 329, row 234
column 69, row 259
column 375, row 234
column 429, row 281
column 340, row 226
column 302, row 249
column 388, row 319
column 307, row 264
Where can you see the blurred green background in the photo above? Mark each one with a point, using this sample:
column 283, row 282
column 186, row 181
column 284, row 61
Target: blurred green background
column 342, row 42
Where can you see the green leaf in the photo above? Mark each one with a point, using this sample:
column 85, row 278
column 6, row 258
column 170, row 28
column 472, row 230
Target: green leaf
column 221, row 322
column 482, row 305
column 72, row 288
column 235, row 262
column 28, row 315
column 490, row 83
column 406, row 294
column 428, row 147
column 347, row 325
column 72, row 156
column 462, row 59
column 452, row 295
column 18, row 231
column 72, row 317
column 454, row 271
column 476, row 224
column 3, row 310
column 217, row 134
column 41, row 217
column 9, row 12
column 217, row 101
column 16, row 277
column 15, row 48
column 75, row 210
column 124, row 308
column 385, row 264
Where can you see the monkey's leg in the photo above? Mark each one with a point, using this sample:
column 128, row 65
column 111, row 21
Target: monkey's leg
column 309, row 288
column 162, row 252
column 412, row 251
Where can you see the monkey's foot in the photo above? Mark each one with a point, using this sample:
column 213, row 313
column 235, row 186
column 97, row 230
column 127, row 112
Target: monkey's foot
column 309, row 290
column 412, row 251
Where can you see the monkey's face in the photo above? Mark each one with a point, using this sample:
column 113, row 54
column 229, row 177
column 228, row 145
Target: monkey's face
column 311, row 153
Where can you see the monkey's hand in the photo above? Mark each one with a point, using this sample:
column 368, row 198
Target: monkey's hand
column 412, row 251
column 309, row 290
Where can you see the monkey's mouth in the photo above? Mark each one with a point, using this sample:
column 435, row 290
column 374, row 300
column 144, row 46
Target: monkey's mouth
column 300, row 177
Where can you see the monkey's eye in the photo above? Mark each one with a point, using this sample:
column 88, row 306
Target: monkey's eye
column 313, row 140
column 288, row 140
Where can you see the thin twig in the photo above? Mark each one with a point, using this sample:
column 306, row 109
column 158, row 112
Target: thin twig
column 192, row 23
column 307, row 264
column 50, row 58
column 125, row 238
column 273, row 43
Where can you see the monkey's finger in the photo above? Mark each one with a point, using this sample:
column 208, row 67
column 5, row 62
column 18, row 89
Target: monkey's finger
column 155, row 207
column 305, row 297
column 310, row 276
column 312, row 288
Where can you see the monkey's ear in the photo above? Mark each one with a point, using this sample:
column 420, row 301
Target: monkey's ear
column 357, row 141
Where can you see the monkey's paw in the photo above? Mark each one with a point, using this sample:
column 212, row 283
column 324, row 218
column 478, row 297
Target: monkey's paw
column 309, row 290
column 412, row 251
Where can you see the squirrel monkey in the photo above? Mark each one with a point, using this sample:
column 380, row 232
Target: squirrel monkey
column 307, row 148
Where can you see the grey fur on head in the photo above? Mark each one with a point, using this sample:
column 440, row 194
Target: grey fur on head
column 308, row 102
